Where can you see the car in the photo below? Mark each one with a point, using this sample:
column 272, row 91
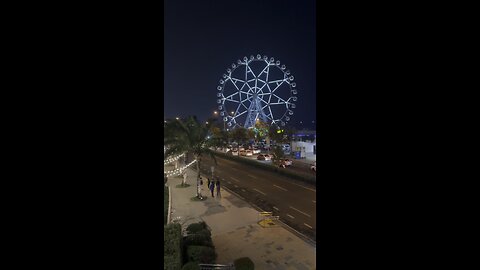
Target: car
column 243, row 153
column 248, row 153
column 260, row 157
column 241, row 148
column 313, row 167
column 234, row 152
column 285, row 163
column 288, row 162
column 264, row 157
column 256, row 151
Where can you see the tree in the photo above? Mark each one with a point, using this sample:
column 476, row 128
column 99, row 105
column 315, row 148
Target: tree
column 277, row 155
column 239, row 134
column 261, row 129
column 190, row 136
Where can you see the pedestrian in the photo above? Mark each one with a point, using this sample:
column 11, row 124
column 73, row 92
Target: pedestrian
column 208, row 183
column 218, row 188
column 212, row 187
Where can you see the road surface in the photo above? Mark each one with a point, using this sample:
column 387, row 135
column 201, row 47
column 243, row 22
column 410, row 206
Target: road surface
column 293, row 201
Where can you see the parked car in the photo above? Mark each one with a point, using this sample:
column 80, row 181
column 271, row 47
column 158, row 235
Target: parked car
column 234, row 152
column 313, row 167
column 243, row 153
column 248, row 153
column 256, row 151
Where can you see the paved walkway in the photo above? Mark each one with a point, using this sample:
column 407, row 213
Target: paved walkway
column 235, row 231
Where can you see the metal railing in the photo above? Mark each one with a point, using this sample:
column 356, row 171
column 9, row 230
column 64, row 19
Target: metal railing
column 217, row 266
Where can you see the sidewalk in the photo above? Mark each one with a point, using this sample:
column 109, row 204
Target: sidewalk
column 235, row 231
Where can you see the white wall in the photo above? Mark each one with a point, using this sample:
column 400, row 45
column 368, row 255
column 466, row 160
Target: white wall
column 308, row 146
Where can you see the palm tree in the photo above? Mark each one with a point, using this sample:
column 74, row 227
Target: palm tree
column 190, row 136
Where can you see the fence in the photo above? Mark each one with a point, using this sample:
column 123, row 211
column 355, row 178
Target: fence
column 216, row 267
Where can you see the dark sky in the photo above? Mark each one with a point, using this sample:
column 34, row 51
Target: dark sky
column 203, row 38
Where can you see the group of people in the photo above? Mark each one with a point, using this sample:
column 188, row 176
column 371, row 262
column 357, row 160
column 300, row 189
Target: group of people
column 211, row 185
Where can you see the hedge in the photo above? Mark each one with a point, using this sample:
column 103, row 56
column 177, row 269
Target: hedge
column 196, row 227
column 165, row 205
column 201, row 254
column 200, row 238
column 244, row 264
column 172, row 253
column 308, row 179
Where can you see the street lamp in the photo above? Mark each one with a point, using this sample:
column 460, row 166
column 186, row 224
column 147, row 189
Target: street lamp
column 177, row 118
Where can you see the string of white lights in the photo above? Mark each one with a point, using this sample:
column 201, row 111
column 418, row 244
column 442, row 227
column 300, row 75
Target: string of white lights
column 178, row 171
column 172, row 159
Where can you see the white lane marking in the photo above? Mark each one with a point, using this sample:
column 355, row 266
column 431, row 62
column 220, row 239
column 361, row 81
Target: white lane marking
column 276, row 208
column 235, row 179
column 300, row 211
column 280, row 187
column 252, row 176
column 229, row 182
column 259, row 191
column 244, row 190
column 290, row 216
column 307, row 225
column 314, row 201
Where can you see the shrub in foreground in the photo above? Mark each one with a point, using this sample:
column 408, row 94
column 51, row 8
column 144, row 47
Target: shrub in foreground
column 244, row 264
column 172, row 246
column 195, row 227
column 201, row 254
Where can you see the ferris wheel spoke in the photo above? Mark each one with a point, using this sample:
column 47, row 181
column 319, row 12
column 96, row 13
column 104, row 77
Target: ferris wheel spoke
column 232, row 100
column 231, row 95
column 279, row 98
column 278, row 81
column 251, row 71
column 271, row 114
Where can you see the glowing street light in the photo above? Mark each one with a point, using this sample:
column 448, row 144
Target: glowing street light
column 177, row 118
column 206, row 122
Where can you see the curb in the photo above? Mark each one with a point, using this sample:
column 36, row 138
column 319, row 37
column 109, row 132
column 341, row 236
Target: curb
column 169, row 215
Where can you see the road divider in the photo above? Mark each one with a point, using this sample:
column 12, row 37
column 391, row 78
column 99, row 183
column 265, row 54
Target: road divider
column 282, row 171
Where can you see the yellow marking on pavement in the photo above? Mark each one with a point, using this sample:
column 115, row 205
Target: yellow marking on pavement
column 307, row 225
column 259, row 191
column 280, row 187
column 300, row 211
column 290, row 216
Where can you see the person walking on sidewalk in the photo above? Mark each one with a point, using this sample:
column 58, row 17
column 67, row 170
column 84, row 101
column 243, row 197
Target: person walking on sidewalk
column 208, row 183
column 218, row 188
column 212, row 187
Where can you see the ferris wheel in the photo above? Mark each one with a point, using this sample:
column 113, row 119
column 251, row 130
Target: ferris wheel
column 257, row 88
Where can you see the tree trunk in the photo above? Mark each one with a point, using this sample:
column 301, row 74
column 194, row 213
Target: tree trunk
column 198, row 176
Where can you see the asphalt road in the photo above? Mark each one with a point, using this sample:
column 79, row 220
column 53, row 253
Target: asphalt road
column 293, row 201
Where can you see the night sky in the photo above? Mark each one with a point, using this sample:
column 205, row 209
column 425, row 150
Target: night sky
column 203, row 38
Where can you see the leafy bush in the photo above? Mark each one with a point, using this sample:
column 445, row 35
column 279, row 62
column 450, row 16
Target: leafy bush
column 196, row 227
column 244, row 264
column 191, row 266
column 172, row 253
column 201, row 254
column 200, row 238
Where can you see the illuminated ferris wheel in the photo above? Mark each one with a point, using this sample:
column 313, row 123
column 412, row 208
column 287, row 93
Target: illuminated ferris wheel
column 256, row 88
